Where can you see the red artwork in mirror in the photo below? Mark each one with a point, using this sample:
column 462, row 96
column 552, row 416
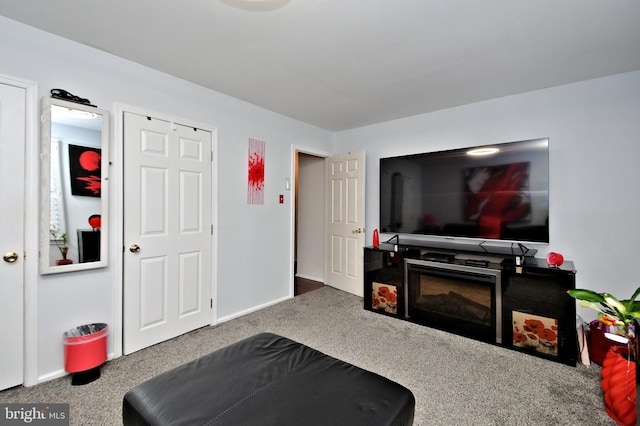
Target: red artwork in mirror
column 85, row 170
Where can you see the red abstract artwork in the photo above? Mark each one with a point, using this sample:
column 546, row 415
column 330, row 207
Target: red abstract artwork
column 255, row 190
column 85, row 171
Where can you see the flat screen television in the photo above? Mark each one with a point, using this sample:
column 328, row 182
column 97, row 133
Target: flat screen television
column 492, row 192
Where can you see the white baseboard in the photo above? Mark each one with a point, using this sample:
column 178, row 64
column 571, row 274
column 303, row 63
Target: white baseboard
column 51, row 376
column 307, row 277
column 59, row 373
column 250, row 310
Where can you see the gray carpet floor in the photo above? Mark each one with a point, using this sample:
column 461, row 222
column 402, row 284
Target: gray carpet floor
column 455, row 380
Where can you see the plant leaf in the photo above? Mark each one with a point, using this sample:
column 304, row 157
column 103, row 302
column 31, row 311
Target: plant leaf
column 626, row 310
column 616, row 305
column 587, row 304
column 630, row 304
column 584, row 294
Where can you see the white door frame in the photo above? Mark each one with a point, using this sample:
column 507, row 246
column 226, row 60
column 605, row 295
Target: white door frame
column 118, row 209
column 31, row 220
column 292, row 214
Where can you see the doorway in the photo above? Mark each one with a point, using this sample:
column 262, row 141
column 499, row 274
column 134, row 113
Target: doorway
column 328, row 234
column 309, row 235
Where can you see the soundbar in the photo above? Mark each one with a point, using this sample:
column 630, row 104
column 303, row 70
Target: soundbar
column 477, row 262
column 439, row 257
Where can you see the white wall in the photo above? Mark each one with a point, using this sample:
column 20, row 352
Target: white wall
column 254, row 242
column 594, row 129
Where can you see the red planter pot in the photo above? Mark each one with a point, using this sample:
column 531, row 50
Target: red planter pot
column 599, row 345
column 619, row 385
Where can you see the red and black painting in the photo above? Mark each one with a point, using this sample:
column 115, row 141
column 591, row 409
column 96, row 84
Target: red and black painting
column 85, row 171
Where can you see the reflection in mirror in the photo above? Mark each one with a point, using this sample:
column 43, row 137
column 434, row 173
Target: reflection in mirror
column 74, row 187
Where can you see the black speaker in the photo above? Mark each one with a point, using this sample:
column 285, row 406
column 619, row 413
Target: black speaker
column 88, row 245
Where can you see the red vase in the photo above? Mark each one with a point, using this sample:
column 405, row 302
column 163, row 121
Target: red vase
column 619, row 385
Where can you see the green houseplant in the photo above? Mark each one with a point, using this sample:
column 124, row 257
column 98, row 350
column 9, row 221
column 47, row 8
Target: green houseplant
column 61, row 242
column 619, row 366
column 620, row 312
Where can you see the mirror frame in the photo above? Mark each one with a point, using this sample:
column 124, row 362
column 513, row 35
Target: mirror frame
column 45, row 184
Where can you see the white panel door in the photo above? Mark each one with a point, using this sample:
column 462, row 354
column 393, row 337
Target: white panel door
column 12, row 148
column 344, row 257
column 167, row 230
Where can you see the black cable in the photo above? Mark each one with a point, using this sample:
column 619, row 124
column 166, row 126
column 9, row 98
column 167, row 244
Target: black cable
column 397, row 237
column 523, row 248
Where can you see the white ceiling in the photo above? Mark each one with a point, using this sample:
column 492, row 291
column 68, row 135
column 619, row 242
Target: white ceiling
column 341, row 64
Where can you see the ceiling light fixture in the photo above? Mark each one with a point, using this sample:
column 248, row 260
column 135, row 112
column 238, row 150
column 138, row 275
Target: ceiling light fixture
column 482, row 151
column 256, row 5
column 58, row 111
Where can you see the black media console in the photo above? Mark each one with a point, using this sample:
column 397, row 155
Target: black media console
column 512, row 300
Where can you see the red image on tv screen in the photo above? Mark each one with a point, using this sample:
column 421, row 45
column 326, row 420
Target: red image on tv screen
column 497, row 195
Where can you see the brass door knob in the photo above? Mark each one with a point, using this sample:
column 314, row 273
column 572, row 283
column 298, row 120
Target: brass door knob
column 134, row 248
column 10, row 257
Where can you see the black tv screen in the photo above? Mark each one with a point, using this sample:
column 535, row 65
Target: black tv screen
column 492, row 192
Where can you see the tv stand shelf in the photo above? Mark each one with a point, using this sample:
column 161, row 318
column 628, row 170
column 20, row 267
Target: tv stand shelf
column 531, row 310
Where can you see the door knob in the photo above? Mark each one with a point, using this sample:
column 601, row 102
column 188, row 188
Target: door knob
column 358, row 231
column 10, row 257
column 134, row 248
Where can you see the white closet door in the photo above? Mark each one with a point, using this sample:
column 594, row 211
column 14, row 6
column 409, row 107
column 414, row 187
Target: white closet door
column 167, row 230
column 12, row 148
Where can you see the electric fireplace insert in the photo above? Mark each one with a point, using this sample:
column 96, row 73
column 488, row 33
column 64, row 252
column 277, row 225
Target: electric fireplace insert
column 461, row 299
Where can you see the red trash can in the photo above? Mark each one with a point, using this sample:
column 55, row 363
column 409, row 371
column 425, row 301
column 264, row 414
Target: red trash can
column 85, row 350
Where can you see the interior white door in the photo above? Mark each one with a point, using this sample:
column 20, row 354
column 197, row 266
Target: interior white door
column 12, row 148
column 167, row 230
column 345, row 187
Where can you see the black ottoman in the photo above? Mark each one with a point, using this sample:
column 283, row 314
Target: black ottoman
column 268, row 380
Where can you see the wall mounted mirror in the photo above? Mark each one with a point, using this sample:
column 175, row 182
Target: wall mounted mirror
column 74, row 188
